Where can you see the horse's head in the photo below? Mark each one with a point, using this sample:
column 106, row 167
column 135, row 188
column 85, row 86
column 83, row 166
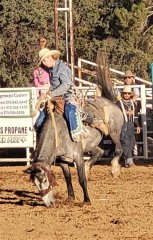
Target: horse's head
column 45, row 181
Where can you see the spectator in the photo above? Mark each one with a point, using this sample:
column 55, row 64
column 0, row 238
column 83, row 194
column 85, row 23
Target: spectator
column 129, row 109
column 41, row 76
column 41, row 79
column 129, row 79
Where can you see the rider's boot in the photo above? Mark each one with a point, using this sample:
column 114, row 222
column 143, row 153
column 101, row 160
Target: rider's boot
column 101, row 126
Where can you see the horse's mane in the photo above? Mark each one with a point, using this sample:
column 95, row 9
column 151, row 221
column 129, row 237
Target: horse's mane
column 103, row 76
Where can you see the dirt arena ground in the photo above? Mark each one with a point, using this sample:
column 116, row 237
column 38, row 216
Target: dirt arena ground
column 121, row 208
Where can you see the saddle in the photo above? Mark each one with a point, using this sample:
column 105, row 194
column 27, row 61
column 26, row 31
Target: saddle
column 100, row 114
column 59, row 104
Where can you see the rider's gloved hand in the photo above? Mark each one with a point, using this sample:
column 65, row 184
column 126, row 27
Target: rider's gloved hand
column 49, row 95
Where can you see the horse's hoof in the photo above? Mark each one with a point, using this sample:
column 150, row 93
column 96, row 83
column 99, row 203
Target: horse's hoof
column 116, row 170
column 87, row 201
column 116, row 173
column 70, row 199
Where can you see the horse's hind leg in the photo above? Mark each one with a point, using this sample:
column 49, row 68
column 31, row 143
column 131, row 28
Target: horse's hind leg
column 68, row 179
column 116, row 168
column 96, row 153
column 81, row 175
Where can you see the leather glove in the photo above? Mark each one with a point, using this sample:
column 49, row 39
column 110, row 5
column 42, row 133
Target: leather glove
column 49, row 95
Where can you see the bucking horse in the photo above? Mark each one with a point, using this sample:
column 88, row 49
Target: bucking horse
column 48, row 149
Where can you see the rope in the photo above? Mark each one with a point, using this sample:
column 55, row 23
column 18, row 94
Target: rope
column 51, row 107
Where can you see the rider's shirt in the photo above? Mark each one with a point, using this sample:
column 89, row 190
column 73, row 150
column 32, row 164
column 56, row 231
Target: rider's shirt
column 61, row 82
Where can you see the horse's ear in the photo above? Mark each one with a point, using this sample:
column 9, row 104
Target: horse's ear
column 32, row 170
column 28, row 170
column 55, row 184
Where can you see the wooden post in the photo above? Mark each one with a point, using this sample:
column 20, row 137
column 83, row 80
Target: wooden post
column 71, row 40
column 56, row 24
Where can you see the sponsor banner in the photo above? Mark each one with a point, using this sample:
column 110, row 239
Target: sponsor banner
column 16, row 132
column 16, row 123
column 15, row 103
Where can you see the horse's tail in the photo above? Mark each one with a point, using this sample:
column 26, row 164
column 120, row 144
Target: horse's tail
column 103, row 76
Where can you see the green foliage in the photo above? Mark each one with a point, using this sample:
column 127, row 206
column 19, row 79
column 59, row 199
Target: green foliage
column 21, row 24
column 120, row 27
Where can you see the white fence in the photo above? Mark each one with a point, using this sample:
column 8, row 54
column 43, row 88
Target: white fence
column 82, row 69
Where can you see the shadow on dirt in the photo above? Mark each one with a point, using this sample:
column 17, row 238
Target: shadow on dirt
column 144, row 162
column 20, row 198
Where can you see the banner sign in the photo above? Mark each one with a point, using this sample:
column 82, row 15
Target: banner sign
column 16, row 132
column 16, row 123
column 14, row 103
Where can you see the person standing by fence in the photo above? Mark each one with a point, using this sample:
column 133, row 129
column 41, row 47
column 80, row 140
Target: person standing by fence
column 41, row 78
column 129, row 79
column 129, row 109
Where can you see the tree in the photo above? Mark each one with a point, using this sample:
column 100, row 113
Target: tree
column 123, row 29
column 21, row 24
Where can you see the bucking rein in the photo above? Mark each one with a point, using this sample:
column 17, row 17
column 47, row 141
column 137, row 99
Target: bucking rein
column 50, row 105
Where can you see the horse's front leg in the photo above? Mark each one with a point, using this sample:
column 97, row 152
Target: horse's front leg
column 81, row 175
column 68, row 179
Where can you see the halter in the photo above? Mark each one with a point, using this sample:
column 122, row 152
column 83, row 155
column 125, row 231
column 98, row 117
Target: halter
column 51, row 178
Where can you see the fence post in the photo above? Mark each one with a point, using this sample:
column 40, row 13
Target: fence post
column 79, row 71
column 152, row 82
column 144, row 121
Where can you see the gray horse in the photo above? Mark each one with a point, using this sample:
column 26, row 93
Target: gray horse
column 47, row 151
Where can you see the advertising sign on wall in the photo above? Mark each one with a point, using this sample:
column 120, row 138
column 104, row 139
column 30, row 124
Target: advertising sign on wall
column 16, row 123
column 14, row 103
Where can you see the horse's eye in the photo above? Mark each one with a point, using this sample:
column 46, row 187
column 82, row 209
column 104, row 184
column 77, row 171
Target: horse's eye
column 45, row 181
column 40, row 178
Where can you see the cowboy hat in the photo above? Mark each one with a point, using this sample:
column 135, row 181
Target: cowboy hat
column 45, row 52
column 128, row 73
column 127, row 89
